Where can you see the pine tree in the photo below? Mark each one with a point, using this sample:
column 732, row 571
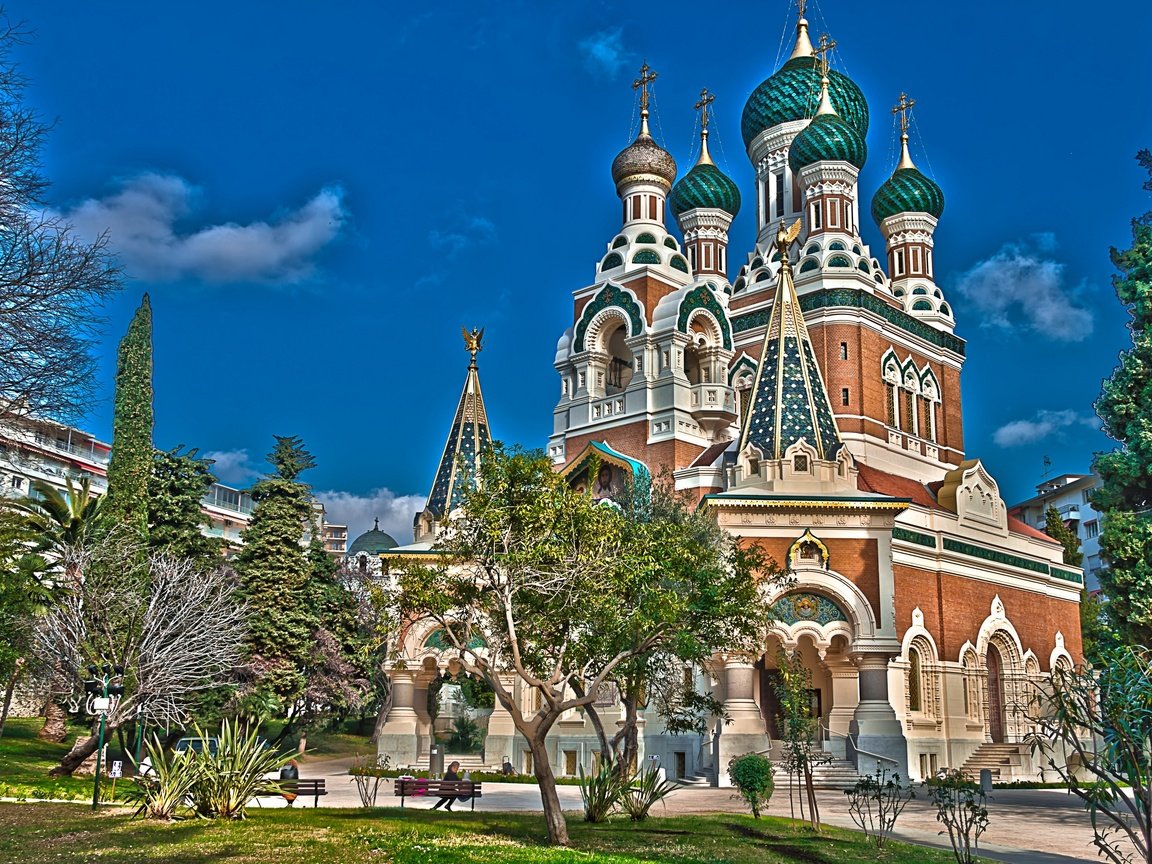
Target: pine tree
column 132, row 422
column 274, row 574
column 178, row 483
column 1055, row 528
column 1124, row 496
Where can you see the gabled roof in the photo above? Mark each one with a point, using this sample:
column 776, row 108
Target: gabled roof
column 600, row 450
column 467, row 440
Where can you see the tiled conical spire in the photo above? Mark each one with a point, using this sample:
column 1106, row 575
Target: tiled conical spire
column 460, row 462
column 789, row 401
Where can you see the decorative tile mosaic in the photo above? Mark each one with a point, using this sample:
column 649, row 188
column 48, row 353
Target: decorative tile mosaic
column 793, row 608
column 703, row 297
column 609, row 295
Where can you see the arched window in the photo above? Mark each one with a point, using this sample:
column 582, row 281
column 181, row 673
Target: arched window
column 611, row 260
column 645, row 238
column 670, row 243
column 619, row 241
column 646, row 256
column 679, row 263
column 915, row 675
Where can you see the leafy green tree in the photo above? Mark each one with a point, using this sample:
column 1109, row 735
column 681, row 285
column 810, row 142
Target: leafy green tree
column 274, row 572
column 23, row 591
column 132, row 420
column 1124, row 496
column 534, row 579
column 799, row 729
column 175, row 519
column 1055, row 527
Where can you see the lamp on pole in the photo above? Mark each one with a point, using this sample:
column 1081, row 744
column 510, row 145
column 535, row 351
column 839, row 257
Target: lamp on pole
column 105, row 684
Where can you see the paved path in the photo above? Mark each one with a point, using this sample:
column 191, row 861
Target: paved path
column 1042, row 826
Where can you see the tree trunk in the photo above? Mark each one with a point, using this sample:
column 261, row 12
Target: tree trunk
column 74, row 758
column 8, row 691
column 542, row 768
column 302, row 745
column 810, row 789
column 631, row 750
column 55, row 728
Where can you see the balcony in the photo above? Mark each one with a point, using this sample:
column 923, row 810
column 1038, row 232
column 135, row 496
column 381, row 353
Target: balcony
column 87, row 452
column 713, row 406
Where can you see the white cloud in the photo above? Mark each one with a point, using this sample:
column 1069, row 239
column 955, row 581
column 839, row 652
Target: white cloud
column 604, row 52
column 232, row 467
column 141, row 218
column 466, row 232
column 1045, row 423
column 395, row 512
column 1022, row 287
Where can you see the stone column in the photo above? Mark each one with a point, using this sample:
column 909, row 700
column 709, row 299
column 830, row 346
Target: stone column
column 745, row 732
column 845, row 698
column 400, row 737
column 501, row 740
column 423, row 718
column 875, row 727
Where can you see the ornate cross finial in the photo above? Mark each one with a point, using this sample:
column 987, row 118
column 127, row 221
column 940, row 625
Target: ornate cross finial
column 704, row 105
column 802, row 5
column 823, row 51
column 902, row 106
column 647, row 76
column 472, row 341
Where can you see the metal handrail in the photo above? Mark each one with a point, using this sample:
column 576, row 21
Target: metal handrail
column 856, row 747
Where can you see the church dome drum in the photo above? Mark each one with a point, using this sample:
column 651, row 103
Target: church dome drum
column 373, row 542
column 907, row 191
column 793, row 94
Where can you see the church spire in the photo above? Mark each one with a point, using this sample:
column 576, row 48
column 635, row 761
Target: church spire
column 789, row 401
column 467, row 441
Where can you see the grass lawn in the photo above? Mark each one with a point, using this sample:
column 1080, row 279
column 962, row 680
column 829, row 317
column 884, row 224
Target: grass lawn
column 60, row 833
column 25, row 762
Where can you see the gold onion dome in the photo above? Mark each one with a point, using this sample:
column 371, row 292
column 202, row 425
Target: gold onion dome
column 644, row 159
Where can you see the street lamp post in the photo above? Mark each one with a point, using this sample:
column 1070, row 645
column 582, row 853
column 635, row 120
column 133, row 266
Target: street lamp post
column 106, row 682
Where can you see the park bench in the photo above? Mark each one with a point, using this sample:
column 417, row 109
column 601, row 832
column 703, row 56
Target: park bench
column 415, row 787
column 304, row 789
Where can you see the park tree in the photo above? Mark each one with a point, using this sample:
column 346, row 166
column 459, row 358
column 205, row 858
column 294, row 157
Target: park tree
column 178, row 482
column 274, row 571
column 1058, row 530
column 131, row 465
column 1124, row 496
column 177, row 632
column 52, row 283
column 535, row 580
column 24, row 591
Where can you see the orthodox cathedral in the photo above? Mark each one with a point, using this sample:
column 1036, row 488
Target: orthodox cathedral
column 807, row 392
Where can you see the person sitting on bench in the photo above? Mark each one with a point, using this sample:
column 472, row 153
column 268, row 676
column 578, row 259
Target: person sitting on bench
column 451, row 775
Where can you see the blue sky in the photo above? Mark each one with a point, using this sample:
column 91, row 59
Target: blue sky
column 318, row 196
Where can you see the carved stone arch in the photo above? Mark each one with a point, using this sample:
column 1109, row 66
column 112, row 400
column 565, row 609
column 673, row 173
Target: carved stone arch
column 847, row 596
column 972, row 668
column 998, row 627
column 799, row 459
column 822, row 636
column 1060, row 655
column 919, row 631
column 1031, row 665
column 910, row 375
column 973, row 495
column 701, row 301
column 741, row 366
column 929, row 385
column 890, row 367
column 601, row 325
column 611, row 295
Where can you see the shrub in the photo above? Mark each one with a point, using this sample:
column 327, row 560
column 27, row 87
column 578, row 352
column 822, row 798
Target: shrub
column 752, row 775
column 962, row 807
column 367, row 775
column 875, row 802
column 232, row 776
column 601, row 791
column 164, row 789
column 466, row 736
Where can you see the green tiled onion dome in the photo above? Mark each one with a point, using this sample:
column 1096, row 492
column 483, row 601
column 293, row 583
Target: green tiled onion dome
column 793, row 94
column 907, row 191
column 827, row 138
column 643, row 157
column 705, row 186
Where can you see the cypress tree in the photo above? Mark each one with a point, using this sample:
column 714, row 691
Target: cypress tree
column 131, row 465
column 1125, row 405
column 1055, row 528
column 274, row 574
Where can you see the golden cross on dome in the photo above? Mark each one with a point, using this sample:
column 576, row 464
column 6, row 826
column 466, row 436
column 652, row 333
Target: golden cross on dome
column 703, row 106
column 802, row 5
column 823, row 51
column 902, row 106
column 647, row 76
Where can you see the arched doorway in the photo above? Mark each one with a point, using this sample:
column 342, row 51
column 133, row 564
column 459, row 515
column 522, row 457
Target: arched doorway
column 995, row 694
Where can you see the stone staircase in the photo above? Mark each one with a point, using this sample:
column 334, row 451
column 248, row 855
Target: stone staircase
column 835, row 773
column 1005, row 761
column 703, row 778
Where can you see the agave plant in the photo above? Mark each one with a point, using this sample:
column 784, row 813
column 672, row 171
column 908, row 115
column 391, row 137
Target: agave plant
column 601, row 791
column 165, row 787
column 642, row 792
column 235, row 774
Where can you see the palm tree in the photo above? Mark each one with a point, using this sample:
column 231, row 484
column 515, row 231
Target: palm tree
column 58, row 521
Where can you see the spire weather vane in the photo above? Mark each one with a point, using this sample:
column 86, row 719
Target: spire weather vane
column 902, row 107
column 647, row 76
